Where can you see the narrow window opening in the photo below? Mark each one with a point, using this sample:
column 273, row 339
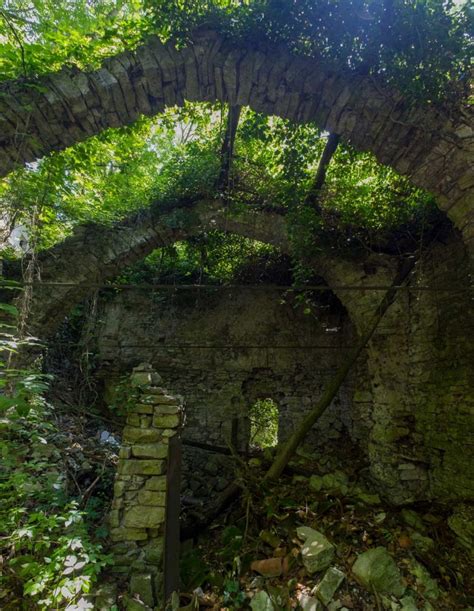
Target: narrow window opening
column 263, row 416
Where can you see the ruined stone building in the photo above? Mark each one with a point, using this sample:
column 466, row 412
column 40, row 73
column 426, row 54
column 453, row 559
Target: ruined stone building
column 407, row 406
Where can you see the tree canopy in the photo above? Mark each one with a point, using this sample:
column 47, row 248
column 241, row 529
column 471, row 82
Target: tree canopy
column 421, row 48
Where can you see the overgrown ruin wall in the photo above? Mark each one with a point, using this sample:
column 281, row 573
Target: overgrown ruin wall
column 421, row 369
column 222, row 351
column 409, row 406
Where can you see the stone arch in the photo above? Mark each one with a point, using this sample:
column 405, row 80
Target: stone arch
column 423, row 142
column 94, row 255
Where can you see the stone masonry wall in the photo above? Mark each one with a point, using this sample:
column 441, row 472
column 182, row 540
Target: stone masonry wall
column 223, row 351
column 409, row 405
column 417, row 404
column 139, row 505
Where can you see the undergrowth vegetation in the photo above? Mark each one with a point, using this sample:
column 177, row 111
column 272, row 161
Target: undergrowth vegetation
column 49, row 560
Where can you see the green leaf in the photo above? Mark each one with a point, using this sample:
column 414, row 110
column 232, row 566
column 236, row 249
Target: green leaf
column 10, row 309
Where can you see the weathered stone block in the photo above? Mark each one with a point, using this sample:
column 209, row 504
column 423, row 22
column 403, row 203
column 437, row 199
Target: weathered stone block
column 117, row 503
column 317, row 552
column 150, row 450
column 160, row 399
column 329, row 584
column 119, row 488
column 138, row 435
column 125, row 452
column 124, row 559
column 138, row 566
column 136, row 481
column 154, row 552
column 114, row 518
column 167, row 409
column 141, row 586
column 128, row 533
column 123, row 548
column 376, row 570
column 141, row 408
column 156, row 483
column 168, row 433
column 144, row 517
column 152, row 497
column 142, row 467
column 133, row 420
column 166, row 422
column 260, row 601
column 145, row 371
column 141, row 378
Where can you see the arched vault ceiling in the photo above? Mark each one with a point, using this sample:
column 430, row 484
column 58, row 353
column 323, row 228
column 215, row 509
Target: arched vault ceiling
column 58, row 110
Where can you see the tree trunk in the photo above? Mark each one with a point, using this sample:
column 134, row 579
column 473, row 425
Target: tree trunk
column 227, row 150
column 329, row 150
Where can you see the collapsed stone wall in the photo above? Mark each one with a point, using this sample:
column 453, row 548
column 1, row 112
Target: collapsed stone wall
column 224, row 350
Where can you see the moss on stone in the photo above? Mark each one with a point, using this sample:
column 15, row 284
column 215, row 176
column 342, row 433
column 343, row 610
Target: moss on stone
column 141, row 467
column 140, row 516
column 150, row 450
column 166, row 421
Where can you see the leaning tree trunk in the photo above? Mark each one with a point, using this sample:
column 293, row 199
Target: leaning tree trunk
column 289, row 448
